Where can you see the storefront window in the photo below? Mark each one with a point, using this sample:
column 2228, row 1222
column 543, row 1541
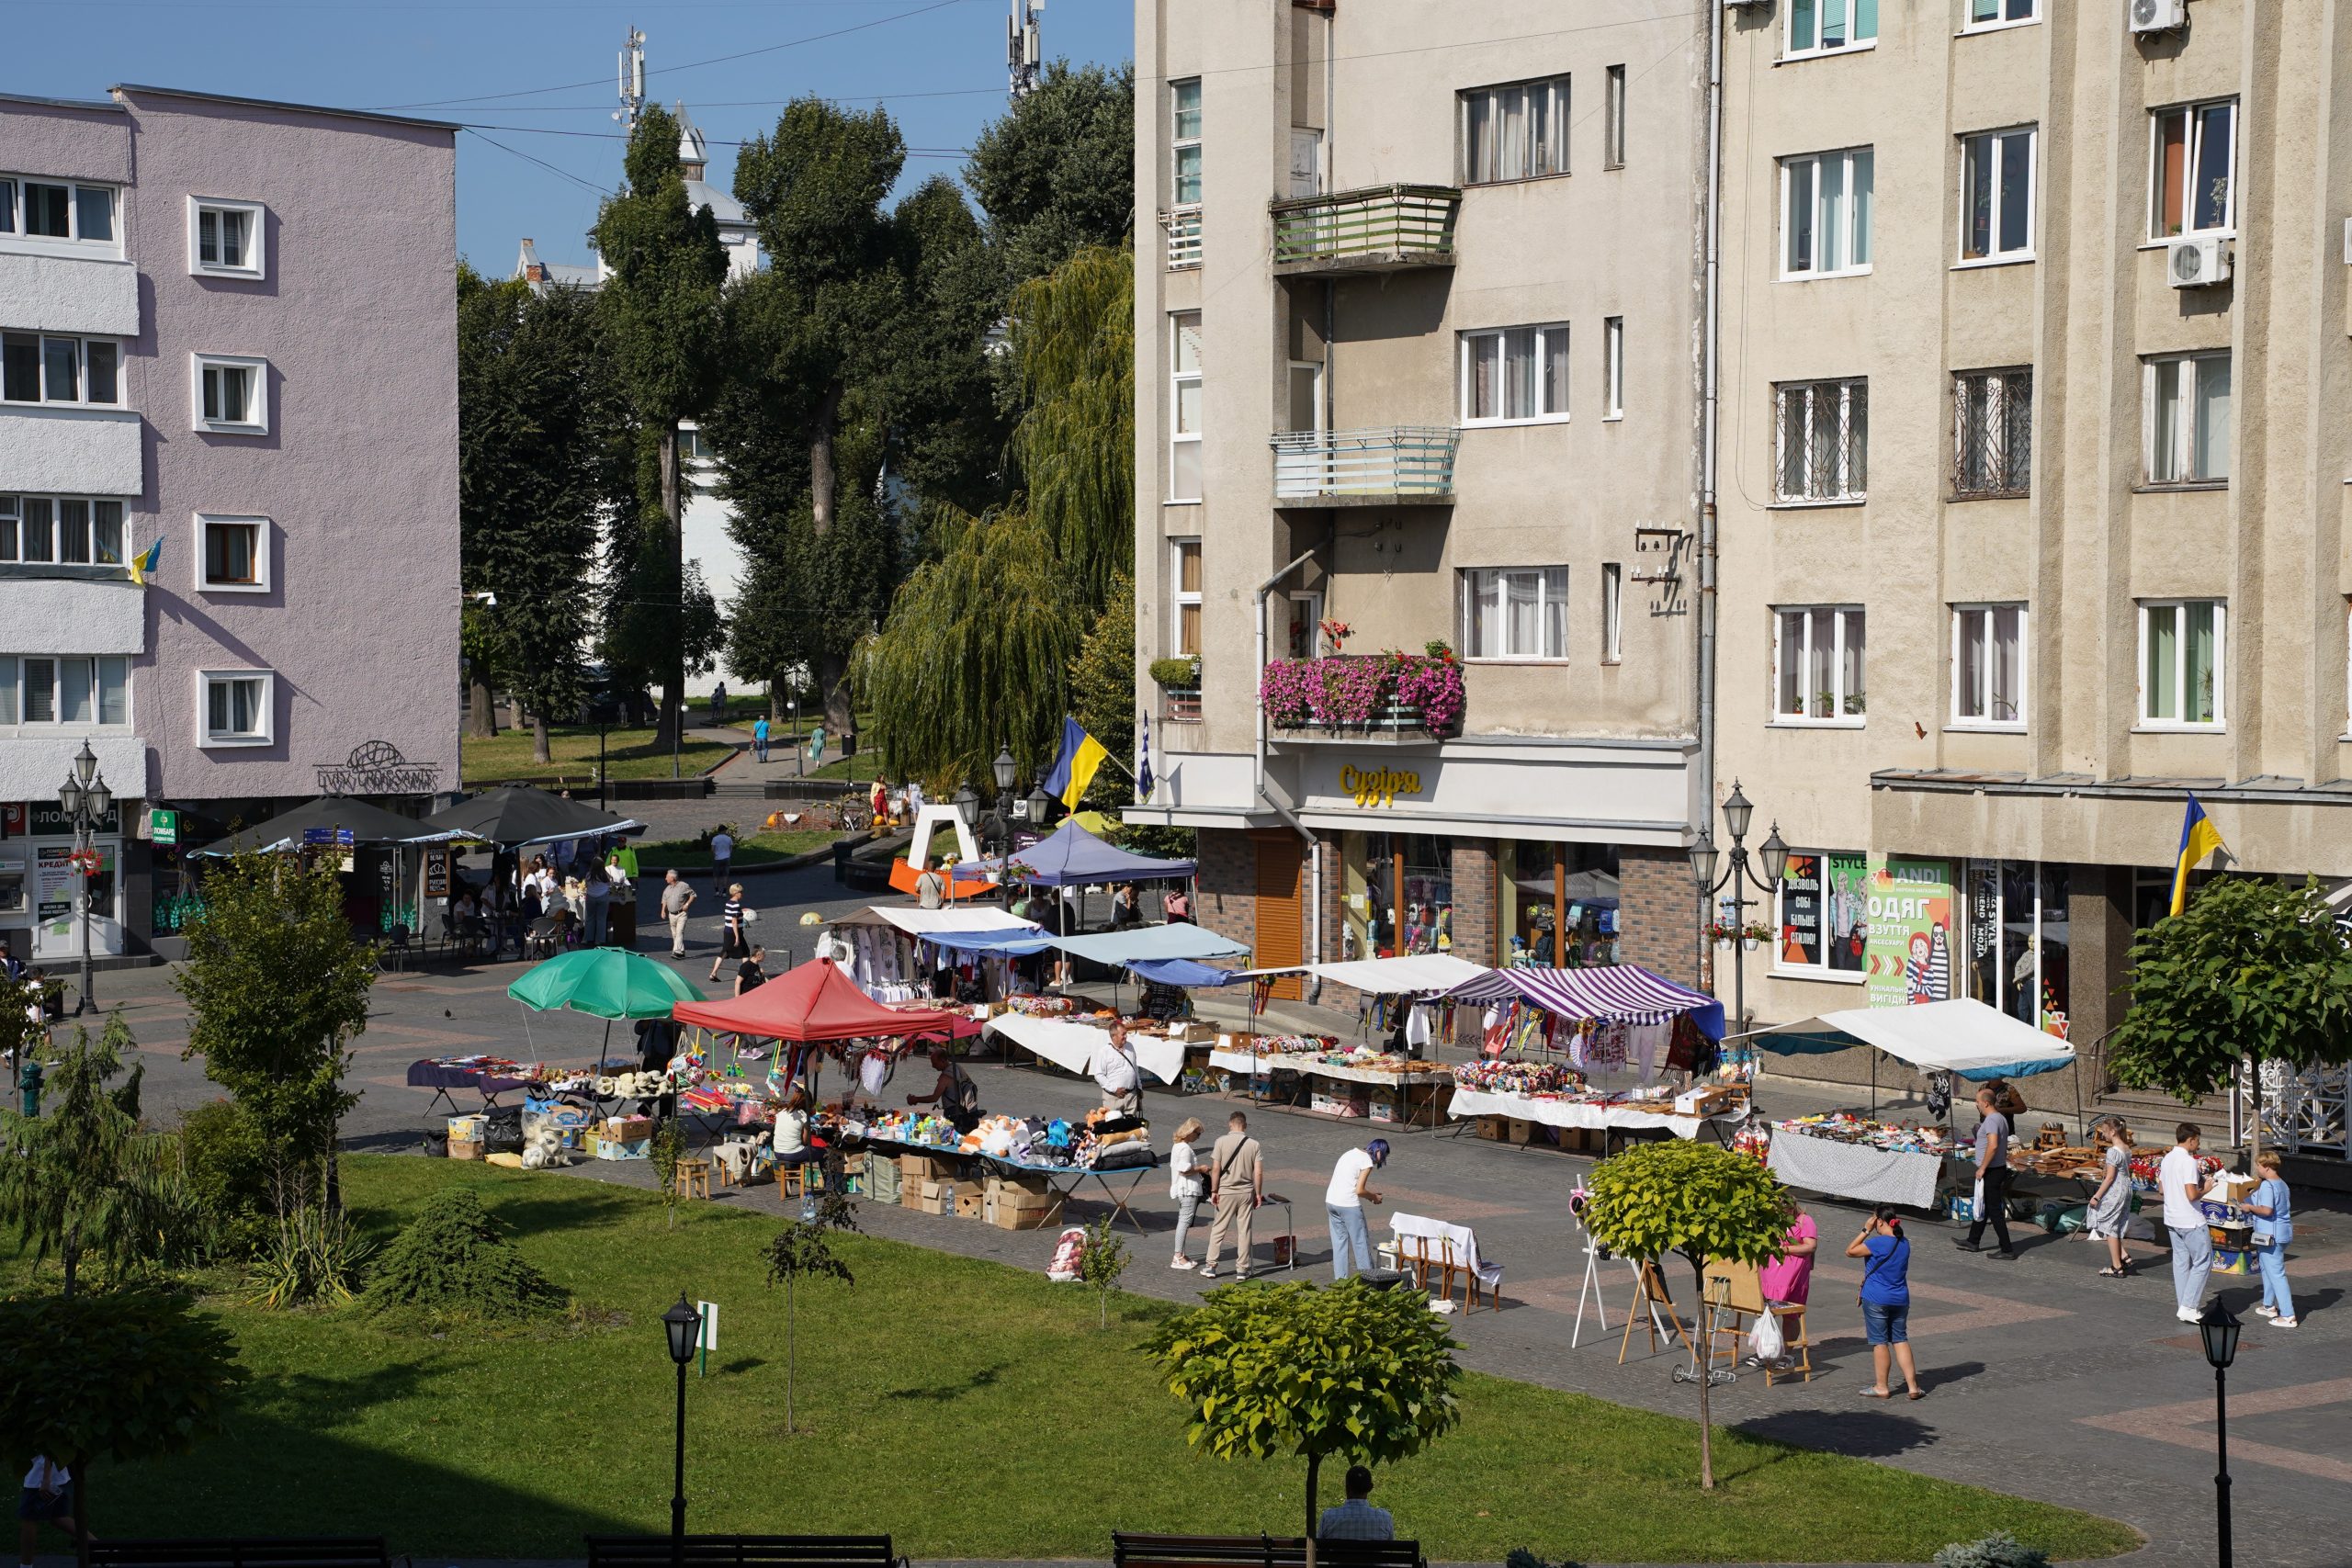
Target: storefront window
column 1367, row 909
column 1370, row 905
column 1824, row 914
column 1429, row 893
column 2018, row 950
column 1544, row 888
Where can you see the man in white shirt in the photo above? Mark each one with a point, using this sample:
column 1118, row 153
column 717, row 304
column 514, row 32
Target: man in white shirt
column 1344, row 1200
column 2182, row 1181
column 1116, row 1071
column 48, row 1500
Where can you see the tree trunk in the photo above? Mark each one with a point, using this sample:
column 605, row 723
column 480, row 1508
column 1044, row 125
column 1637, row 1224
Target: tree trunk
column 335, row 1174
column 539, row 752
column 1706, row 1381
column 80, row 1465
column 824, row 483
column 482, row 712
column 673, row 692
column 71, row 1254
column 1314, row 1469
column 791, row 1350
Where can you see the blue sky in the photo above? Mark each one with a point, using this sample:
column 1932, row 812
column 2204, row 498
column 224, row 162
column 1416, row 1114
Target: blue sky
column 938, row 63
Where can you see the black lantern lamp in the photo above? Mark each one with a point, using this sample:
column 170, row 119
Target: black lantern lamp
column 967, row 807
column 683, row 1325
column 1712, row 877
column 2218, row 1329
column 1003, row 768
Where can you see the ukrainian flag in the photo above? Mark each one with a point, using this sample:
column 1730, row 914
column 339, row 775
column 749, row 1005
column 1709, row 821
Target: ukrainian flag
column 143, row 564
column 2199, row 837
column 1074, row 769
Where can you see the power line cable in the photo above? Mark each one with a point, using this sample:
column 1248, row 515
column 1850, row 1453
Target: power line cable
column 542, row 162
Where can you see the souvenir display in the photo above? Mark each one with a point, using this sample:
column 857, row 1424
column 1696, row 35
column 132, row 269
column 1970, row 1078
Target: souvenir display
column 1843, row 1127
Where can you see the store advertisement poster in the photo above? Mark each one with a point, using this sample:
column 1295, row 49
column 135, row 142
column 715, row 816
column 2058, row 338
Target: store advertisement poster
column 1910, row 949
column 1825, row 921
column 53, row 888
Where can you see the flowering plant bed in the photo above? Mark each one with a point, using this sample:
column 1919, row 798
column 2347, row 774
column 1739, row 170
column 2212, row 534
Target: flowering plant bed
column 1379, row 692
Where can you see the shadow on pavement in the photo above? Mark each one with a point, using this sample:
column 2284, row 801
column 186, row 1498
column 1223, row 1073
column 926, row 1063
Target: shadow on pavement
column 1859, row 1434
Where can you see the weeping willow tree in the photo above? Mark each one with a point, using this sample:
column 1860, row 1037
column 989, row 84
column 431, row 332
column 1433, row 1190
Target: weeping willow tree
column 977, row 652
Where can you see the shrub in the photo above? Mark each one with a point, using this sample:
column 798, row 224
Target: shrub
column 454, row 1260
column 229, row 1172
column 2002, row 1551
column 1183, row 673
column 312, row 1258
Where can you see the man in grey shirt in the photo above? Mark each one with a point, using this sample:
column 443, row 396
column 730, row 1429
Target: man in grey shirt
column 1992, row 1173
column 676, row 899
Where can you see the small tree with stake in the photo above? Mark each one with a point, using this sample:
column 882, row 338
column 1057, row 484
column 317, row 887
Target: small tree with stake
column 1347, row 1372
column 1104, row 1260
column 1701, row 1200
column 804, row 1250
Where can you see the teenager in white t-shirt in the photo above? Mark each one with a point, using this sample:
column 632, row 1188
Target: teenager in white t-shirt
column 2182, row 1181
column 1344, row 1200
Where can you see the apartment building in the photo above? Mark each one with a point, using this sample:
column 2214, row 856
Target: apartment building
column 1417, row 369
column 228, row 330
column 2034, row 460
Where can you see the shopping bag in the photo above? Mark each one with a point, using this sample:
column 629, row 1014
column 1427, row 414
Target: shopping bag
column 1765, row 1341
column 1976, row 1208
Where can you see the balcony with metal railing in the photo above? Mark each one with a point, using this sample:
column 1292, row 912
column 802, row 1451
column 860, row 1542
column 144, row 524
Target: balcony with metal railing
column 1397, row 465
column 1379, row 229
column 1183, row 238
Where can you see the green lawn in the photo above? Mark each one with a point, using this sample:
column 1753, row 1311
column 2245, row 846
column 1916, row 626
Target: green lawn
column 629, row 753
column 761, row 848
column 970, row 1409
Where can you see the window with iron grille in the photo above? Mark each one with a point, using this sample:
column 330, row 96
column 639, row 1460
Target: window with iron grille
column 1822, row 439
column 1992, row 432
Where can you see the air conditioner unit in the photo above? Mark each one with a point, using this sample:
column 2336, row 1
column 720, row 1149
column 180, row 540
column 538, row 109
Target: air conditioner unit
column 2197, row 264
column 2158, row 16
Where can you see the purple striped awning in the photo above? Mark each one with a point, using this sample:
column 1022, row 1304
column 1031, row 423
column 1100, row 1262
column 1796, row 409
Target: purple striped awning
column 1625, row 993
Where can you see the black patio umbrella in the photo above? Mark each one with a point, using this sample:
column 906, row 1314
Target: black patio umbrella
column 518, row 814
column 330, row 814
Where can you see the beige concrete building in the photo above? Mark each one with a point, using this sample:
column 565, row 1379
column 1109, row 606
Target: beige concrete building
column 1417, row 358
column 2033, row 464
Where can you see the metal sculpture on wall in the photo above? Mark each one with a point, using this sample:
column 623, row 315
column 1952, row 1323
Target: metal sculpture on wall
column 377, row 767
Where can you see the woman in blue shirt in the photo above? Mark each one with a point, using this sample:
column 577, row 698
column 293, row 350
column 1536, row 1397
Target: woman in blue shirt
column 1886, row 1298
column 2274, row 1227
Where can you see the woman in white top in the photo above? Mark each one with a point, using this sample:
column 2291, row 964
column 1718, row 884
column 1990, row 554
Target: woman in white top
column 792, row 1129
column 1187, row 1183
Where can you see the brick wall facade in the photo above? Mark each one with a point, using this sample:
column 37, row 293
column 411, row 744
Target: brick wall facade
column 1227, row 902
column 1474, row 899
column 1657, row 905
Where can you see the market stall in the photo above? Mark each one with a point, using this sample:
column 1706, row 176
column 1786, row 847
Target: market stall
column 1871, row 1161
column 1070, row 856
column 1052, row 1158
column 380, row 888
column 881, row 947
column 519, row 816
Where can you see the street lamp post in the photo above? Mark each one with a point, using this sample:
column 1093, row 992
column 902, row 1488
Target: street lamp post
column 683, row 1325
column 1738, row 877
column 2218, row 1329
column 85, row 800
column 1002, row 767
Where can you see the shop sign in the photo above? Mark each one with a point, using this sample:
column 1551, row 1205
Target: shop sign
column 1377, row 786
column 164, row 827
column 1825, row 912
column 12, row 819
column 49, row 821
column 53, row 886
column 436, row 873
column 1910, row 949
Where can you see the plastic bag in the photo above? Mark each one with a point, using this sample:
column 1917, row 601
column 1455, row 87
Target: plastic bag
column 1765, row 1341
column 1070, row 1255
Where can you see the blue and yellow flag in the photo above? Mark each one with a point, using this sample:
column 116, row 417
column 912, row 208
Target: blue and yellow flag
column 143, row 564
column 2199, row 837
column 1074, row 769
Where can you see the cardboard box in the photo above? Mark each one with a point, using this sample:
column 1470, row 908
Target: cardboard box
column 968, row 1207
column 1521, row 1130
column 465, row 1148
column 1381, row 1105
column 1353, row 1104
column 617, row 1148
column 1017, row 1212
column 926, row 1168
column 936, row 1200
column 626, row 1129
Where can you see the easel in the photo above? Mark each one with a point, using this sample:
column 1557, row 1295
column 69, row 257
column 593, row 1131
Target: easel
column 1591, row 1290
column 1649, row 1290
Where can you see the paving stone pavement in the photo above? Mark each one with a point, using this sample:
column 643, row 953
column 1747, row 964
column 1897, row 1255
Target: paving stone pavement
column 2044, row 1380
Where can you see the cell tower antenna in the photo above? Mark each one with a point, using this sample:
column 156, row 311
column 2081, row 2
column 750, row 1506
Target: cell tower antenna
column 631, row 76
column 1021, row 52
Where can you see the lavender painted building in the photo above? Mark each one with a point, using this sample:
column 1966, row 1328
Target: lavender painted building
column 226, row 325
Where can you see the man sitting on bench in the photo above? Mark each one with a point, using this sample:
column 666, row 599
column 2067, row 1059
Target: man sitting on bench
column 1356, row 1519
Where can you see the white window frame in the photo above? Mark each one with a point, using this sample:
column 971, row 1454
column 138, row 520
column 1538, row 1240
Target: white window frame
column 1178, row 380
column 1968, row 23
column 1553, row 587
column 2196, row 109
column 1612, row 367
column 205, row 736
column 13, row 509
column 2183, row 453
column 1178, row 143
column 1313, row 599
column 1612, row 118
column 1612, row 612
column 82, row 345
column 1180, row 598
column 1554, row 144
column 12, row 691
column 1785, row 428
column 1997, row 143
column 12, row 235
column 1843, row 617
column 1854, row 162
column 258, row 246
column 1789, row 49
column 1781, row 965
column 2179, row 609
column 263, row 550
column 1465, row 357
column 1985, row 611
column 258, row 425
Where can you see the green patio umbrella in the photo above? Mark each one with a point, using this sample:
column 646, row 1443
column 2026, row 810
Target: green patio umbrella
column 603, row 982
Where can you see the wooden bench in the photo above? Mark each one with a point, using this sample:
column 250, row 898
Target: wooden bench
column 255, row 1552
column 745, row 1551
column 1257, row 1552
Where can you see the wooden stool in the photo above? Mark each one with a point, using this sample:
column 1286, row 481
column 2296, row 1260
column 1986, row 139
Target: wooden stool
column 694, row 1179
column 792, row 1180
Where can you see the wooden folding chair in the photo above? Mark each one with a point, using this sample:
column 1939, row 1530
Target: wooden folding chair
column 1649, row 1294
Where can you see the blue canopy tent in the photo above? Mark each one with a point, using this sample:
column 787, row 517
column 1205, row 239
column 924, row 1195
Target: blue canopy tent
column 1184, row 972
column 1070, row 855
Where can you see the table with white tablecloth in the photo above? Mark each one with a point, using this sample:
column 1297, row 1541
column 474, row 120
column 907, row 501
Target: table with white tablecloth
column 1856, row 1170
column 1072, row 1045
column 1617, row 1116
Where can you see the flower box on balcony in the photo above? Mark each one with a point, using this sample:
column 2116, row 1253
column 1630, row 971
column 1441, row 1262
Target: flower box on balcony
column 1365, row 696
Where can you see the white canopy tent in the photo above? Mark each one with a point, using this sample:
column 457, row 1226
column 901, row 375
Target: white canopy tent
column 1963, row 1037
column 1414, row 972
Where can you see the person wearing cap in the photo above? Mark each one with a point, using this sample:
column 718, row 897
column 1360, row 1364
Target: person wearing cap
column 1344, row 1200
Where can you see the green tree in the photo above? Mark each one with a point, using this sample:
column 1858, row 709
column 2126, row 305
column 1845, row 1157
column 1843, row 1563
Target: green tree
column 2251, row 968
column 1702, row 1202
column 277, row 988
column 538, row 434
column 1073, row 445
column 1346, row 1372
column 1103, row 695
column 126, row 1376
column 1100, row 1266
column 87, row 1180
column 660, row 305
column 804, row 1250
column 1057, row 173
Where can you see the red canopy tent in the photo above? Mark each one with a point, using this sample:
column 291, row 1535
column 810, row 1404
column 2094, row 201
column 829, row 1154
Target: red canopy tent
column 815, row 1001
